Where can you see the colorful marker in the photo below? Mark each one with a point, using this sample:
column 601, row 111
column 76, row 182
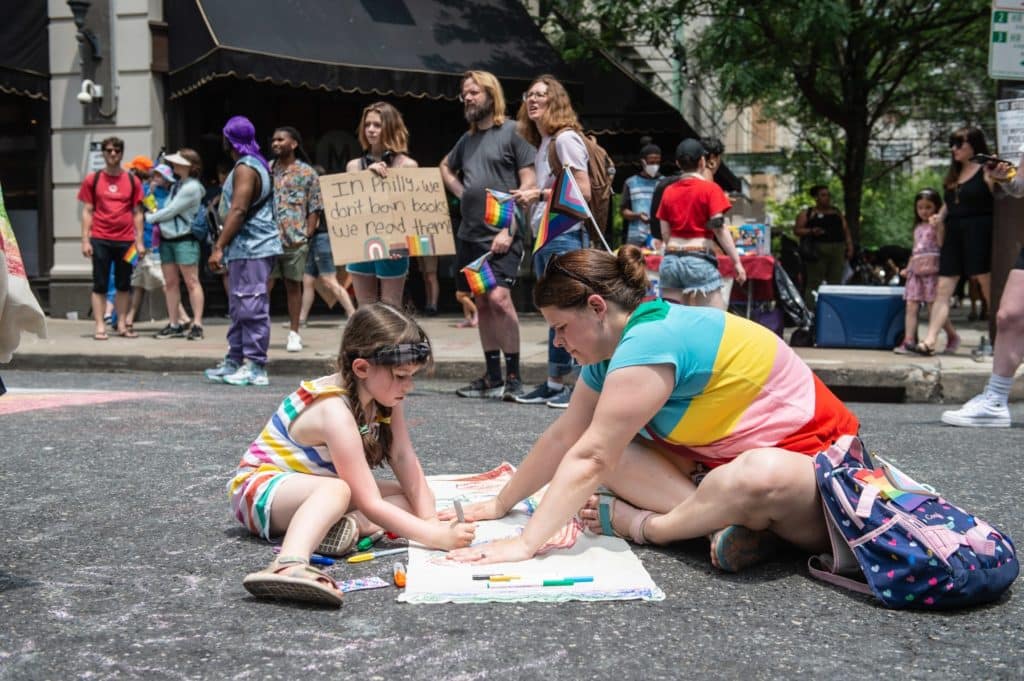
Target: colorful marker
column 530, row 583
column 458, row 511
column 314, row 559
column 367, row 542
column 370, row 555
column 398, row 571
column 484, row 577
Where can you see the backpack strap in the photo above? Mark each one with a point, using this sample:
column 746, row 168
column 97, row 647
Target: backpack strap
column 135, row 182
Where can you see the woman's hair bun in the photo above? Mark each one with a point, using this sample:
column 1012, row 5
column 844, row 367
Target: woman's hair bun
column 631, row 264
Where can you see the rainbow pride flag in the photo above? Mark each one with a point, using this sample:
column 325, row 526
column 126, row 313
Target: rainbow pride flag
column 420, row 245
column 906, row 493
column 566, row 207
column 499, row 209
column 480, row 276
column 131, row 256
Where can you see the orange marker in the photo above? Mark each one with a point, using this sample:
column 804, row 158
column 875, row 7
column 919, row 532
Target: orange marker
column 399, row 574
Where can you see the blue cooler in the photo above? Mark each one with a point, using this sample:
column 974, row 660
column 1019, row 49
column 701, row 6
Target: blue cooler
column 859, row 316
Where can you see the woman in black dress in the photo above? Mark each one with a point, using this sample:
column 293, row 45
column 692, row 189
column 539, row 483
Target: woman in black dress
column 965, row 228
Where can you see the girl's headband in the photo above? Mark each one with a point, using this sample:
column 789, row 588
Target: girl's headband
column 394, row 355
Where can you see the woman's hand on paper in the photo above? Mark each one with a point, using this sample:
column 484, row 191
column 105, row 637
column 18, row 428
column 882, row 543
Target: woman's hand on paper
column 509, row 550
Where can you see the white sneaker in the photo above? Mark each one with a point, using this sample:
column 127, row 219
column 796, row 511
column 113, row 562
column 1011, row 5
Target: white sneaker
column 249, row 373
column 979, row 412
column 294, row 342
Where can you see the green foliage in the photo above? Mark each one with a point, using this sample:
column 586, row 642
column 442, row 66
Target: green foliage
column 887, row 207
column 847, row 74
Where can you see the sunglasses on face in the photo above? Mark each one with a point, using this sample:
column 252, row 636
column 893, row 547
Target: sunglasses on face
column 956, row 142
column 111, row 150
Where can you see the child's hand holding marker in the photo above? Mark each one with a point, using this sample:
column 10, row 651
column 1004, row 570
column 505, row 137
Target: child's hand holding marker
column 458, row 532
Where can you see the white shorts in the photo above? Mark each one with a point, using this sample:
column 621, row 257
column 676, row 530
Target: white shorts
column 147, row 274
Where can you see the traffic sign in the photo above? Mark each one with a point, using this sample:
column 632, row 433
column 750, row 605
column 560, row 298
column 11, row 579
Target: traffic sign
column 1006, row 46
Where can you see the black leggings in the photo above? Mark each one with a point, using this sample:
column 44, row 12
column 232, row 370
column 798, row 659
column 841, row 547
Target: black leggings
column 105, row 252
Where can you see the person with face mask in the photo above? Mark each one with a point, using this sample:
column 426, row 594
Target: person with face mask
column 636, row 198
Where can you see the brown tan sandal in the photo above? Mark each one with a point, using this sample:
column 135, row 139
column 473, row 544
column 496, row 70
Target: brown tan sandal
column 341, row 538
column 309, row 585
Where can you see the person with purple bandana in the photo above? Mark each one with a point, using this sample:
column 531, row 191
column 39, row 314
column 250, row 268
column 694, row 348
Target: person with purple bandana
column 248, row 245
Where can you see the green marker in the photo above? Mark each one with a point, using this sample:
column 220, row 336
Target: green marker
column 367, row 542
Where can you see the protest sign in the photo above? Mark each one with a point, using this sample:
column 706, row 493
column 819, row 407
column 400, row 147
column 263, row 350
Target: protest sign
column 373, row 218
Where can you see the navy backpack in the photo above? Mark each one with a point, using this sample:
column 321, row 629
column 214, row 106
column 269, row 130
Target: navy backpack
column 901, row 541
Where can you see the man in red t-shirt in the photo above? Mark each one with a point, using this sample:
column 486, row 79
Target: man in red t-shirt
column 111, row 223
column 691, row 215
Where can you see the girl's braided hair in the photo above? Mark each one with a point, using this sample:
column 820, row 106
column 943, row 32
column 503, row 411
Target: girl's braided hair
column 382, row 335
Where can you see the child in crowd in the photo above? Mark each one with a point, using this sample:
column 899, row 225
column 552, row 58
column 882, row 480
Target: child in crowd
column 308, row 474
column 922, row 272
column 468, row 310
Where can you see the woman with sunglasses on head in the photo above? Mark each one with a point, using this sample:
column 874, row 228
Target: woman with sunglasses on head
column 965, row 225
column 666, row 393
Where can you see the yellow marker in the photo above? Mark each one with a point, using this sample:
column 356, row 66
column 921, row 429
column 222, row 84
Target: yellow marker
column 370, row 555
column 504, row 578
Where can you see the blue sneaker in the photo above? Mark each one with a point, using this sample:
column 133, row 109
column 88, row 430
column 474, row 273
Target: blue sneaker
column 561, row 400
column 539, row 395
column 249, row 373
column 226, row 367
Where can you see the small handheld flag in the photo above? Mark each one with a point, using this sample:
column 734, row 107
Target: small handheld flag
column 499, row 209
column 566, row 206
column 480, row 276
column 131, row 256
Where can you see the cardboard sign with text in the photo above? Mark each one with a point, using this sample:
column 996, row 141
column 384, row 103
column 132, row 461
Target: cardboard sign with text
column 373, row 218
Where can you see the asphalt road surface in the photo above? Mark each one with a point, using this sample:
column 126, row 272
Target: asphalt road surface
column 119, row 559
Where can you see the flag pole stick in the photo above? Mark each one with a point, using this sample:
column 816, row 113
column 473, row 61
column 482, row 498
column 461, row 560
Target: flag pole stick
column 597, row 229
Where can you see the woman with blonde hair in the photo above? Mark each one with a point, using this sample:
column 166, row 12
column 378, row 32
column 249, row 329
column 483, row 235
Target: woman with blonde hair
column 385, row 142
column 547, row 121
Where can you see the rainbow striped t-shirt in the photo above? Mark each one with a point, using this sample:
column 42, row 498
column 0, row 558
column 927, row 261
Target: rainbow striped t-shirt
column 738, row 386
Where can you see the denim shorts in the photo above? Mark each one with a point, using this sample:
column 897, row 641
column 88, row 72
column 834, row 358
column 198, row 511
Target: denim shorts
column 320, row 260
column 392, row 268
column 693, row 273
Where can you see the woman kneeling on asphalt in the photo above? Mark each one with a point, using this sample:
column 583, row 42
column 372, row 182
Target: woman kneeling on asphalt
column 670, row 396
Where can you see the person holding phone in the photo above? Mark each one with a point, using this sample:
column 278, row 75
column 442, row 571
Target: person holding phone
column 965, row 228
column 990, row 408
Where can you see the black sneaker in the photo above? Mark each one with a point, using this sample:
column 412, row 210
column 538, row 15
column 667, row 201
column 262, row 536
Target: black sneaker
column 539, row 395
column 195, row 333
column 513, row 388
column 482, row 387
column 171, row 331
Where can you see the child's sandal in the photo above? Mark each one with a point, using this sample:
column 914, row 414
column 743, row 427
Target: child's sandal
column 341, row 538
column 309, row 584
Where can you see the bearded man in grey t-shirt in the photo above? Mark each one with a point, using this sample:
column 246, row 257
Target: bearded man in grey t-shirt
column 490, row 155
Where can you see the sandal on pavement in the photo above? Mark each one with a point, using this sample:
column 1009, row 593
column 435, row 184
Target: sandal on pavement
column 128, row 332
column 302, row 583
column 100, row 335
column 341, row 538
column 925, row 349
column 736, row 547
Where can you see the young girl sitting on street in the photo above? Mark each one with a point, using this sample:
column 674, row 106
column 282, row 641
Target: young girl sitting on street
column 922, row 273
column 308, row 474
